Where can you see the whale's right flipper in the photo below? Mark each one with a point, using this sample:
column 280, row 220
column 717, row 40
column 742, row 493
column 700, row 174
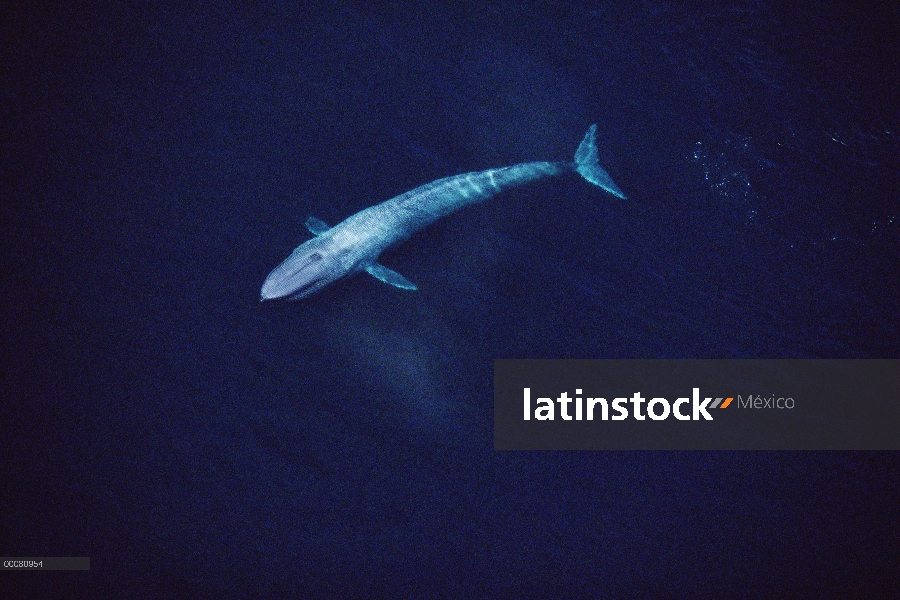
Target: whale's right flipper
column 390, row 277
column 587, row 162
column 316, row 226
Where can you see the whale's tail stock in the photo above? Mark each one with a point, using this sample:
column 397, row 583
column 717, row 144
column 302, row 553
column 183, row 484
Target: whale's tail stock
column 587, row 163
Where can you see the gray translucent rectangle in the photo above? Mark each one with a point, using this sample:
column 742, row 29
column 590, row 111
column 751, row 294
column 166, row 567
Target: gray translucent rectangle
column 43, row 563
column 775, row 404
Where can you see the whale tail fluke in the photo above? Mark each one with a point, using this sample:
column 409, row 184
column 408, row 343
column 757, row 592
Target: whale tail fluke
column 587, row 163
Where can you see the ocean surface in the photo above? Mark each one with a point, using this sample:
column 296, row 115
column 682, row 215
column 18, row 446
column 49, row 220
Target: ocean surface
column 159, row 160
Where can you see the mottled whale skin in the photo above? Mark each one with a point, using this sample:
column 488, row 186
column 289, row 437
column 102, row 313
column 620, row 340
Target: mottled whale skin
column 355, row 244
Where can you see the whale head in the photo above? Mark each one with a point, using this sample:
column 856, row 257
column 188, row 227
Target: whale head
column 309, row 268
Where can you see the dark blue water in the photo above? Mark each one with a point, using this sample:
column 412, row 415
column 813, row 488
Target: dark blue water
column 157, row 162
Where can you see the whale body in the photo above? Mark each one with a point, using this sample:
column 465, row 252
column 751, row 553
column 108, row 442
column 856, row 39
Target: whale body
column 355, row 244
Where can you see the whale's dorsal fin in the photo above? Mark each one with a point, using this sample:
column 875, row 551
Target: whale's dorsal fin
column 316, row 226
column 390, row 277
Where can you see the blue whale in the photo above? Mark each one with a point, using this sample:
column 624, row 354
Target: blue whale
column 355, row 244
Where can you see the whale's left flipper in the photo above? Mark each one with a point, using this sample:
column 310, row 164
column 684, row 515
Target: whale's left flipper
column 587, row 162
column 390, row 277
